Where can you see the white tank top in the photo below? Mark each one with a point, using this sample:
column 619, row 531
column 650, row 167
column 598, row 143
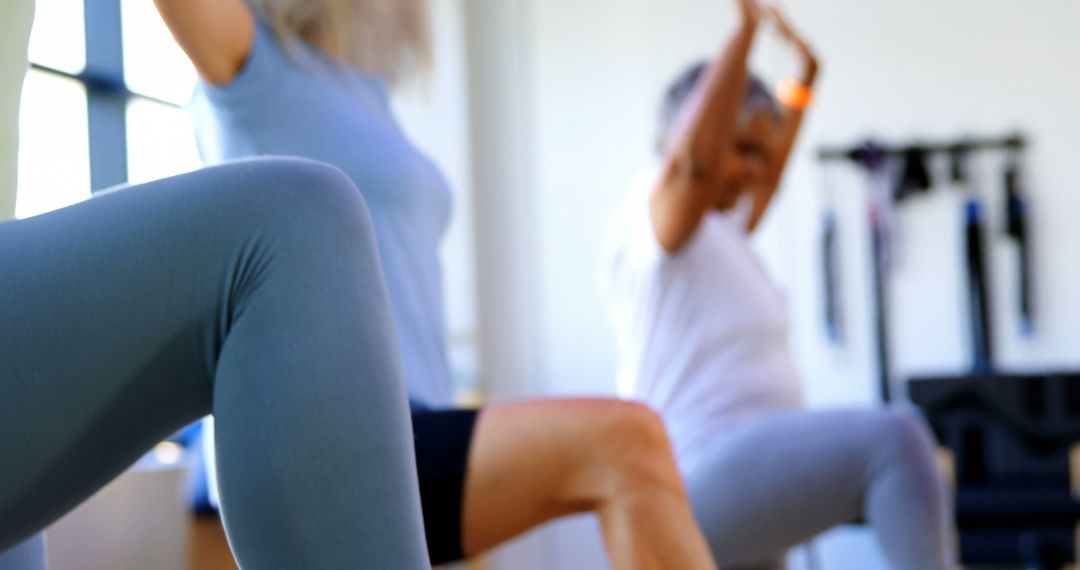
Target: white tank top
column 16, row 16
column 702, row 334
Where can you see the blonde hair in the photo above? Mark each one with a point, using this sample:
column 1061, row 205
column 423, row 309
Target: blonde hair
column 390, row 38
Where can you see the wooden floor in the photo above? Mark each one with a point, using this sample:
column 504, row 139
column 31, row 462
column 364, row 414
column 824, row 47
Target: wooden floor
column 209, row 549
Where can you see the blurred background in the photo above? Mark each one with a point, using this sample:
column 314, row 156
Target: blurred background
column 541, row 112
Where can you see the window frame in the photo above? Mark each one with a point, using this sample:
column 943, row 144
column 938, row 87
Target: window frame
column 107, row 94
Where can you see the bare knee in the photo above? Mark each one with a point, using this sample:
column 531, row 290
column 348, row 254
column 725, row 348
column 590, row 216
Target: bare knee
column 635, row 451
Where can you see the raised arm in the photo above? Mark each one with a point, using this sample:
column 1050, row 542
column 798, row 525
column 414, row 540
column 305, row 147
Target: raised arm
column 795, row 99
column 216, row 34
column 691, row 179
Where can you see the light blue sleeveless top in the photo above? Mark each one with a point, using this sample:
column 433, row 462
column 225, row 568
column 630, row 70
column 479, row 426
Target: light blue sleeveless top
column 292, row 99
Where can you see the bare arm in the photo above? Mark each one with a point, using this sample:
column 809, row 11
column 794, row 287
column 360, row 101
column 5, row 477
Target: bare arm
column 216, row 34
column 691, row 176
column 791, row 123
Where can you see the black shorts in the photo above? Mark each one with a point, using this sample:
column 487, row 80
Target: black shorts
column 443, row 439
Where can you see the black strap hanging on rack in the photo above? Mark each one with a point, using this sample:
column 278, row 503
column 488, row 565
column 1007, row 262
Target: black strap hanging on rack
column 1016, row 208
column 914, row 175
column 978, row 300
column 829, row 265
column 873, row 159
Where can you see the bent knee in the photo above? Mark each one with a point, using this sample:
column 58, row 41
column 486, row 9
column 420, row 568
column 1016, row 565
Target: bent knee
column 633, row 425
column 905, row 435
column 638, row 447
column 279, row 189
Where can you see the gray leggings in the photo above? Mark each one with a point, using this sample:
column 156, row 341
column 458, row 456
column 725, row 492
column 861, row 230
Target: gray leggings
column 771, row 483
column 252, row 291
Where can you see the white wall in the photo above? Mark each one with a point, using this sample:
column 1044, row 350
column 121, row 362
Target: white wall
column 906, row 70
column 896, row 69
column 499, row 82
column 435, row 114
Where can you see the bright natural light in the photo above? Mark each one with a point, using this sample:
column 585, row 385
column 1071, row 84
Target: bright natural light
column 153, row 64
column 54, row 149
column 160, row 141
column 54, row 158
column 59, row 36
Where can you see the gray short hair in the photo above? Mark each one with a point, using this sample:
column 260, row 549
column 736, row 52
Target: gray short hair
column 758, row 98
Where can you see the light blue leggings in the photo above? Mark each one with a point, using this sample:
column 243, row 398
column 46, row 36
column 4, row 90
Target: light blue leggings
column 29, row 555
column 252, row 291
column 768, row 484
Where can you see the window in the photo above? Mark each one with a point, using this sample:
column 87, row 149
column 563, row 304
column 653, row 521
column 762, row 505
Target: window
column 160, row 141
column 59, row 39
column 54, row 151
column 159, row 134
column 154, row 65
column 101, row 105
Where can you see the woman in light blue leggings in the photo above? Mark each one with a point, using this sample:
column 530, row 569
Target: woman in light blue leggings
column 29, row 555
column 251, row 291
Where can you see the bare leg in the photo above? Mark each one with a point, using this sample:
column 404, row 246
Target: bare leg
column 533, row 462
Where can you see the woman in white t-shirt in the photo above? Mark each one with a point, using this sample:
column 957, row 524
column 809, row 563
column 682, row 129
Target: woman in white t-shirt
column 703, row 338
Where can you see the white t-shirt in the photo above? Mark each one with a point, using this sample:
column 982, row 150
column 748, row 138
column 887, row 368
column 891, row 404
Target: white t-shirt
column 16, row 16
column 702, row 333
